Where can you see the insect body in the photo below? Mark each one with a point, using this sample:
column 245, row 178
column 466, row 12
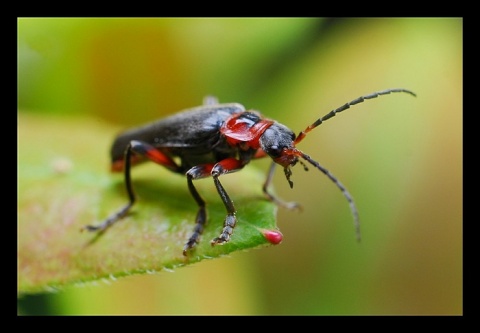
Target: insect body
column 212, row 140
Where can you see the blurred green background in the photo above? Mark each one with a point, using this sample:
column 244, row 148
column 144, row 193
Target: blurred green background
column 400, row 157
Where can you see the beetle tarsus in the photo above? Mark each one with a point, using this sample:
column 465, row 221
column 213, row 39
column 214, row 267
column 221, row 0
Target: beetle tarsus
column 228, row 225
column 291, row 205
column 199, row 226
column 189, row 245
column 109, row 221
column 220, row 240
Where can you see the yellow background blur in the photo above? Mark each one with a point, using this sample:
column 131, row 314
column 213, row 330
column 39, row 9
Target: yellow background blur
column 399, row 156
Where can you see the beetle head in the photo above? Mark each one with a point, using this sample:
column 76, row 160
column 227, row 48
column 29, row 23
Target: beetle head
column 278, row 142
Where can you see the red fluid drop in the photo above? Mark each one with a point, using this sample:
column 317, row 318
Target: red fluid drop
column 273, row 236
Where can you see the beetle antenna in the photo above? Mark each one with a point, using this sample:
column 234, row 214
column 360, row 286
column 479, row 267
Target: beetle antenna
column 358, row 100
column 342, row 188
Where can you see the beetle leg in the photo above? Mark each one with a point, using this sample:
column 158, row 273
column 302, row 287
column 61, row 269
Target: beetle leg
column 226, row 166
column 197, row 172
column 151, row 153
column 271, row 197
column 215, row 170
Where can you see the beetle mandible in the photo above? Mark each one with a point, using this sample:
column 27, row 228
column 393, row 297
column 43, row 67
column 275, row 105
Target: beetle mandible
column 216, row 139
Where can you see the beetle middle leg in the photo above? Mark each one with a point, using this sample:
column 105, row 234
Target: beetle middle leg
column 148, row 151
column 196, row 173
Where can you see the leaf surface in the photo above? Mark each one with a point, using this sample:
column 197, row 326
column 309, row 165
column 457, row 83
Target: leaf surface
column 64, row 184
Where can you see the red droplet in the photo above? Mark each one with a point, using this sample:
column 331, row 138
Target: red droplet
column 273, row 236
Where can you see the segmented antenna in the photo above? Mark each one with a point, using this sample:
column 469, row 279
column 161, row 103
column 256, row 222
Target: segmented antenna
column 319, row 121
column 358, row 100
column 348, row 196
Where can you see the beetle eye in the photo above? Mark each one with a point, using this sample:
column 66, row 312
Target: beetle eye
column 275, row 151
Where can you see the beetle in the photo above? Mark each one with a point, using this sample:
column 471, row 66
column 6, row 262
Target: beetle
column 213, row 140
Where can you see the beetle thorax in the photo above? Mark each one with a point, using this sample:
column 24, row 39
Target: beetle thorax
column 245, row 129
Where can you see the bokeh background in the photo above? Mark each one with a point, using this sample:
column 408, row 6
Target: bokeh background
column 399, row 156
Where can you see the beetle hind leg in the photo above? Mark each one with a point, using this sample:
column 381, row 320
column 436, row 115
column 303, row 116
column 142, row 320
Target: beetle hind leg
column 143, row 149
column 131, row 197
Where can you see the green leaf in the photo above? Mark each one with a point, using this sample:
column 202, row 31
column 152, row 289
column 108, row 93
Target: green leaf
column 64, row 184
